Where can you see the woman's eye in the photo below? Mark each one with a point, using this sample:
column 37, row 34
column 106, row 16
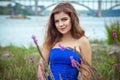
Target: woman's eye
column 64, row 19
column 56, row 21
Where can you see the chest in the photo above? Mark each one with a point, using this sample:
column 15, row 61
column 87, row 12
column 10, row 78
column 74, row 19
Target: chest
column 58, row 56
column 69, row 44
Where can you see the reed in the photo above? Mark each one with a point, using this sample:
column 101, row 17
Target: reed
column 114, row 26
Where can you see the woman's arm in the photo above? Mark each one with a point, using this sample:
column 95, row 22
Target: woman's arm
column 87, row 56
column 41, row 70
column 41, row 66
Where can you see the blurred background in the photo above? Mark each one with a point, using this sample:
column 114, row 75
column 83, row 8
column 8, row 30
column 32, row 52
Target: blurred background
column 20, row 19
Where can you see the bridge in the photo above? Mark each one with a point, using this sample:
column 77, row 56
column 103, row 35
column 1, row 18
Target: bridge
column 97, row 7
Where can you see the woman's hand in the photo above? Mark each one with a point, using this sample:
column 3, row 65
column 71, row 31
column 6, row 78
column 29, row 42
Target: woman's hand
column 85, row 74
column 41, row 71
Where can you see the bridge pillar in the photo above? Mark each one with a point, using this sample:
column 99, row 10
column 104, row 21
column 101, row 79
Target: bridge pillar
column 36, row 7
column 99, row 14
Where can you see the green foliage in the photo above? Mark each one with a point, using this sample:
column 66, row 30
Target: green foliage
column 105, row 65
column 17, row 9
column 96, row 41
column 114, row 26
column 16, row 64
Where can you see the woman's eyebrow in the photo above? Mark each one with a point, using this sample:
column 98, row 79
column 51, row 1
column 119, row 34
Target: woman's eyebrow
column 64, row 18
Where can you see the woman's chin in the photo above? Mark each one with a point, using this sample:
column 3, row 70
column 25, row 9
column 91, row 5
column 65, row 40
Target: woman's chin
column 62, row 32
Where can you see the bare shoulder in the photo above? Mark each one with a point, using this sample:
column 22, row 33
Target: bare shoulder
column 83, row 40
column 85, row 48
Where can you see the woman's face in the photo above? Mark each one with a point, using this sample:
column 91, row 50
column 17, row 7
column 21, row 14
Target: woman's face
column 62, row 22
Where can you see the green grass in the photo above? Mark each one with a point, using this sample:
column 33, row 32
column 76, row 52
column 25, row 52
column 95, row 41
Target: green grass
column 96, row 41
column 104, row 64
column 17, row 65
column 115, row 25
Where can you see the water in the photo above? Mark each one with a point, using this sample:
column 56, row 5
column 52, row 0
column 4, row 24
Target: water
column 19, row 31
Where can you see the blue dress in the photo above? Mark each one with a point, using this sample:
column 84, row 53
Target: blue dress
column 60, row 64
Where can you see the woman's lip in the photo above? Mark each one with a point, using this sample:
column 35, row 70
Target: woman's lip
column 62, row 28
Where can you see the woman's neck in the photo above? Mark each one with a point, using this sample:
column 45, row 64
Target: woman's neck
column 67, row 37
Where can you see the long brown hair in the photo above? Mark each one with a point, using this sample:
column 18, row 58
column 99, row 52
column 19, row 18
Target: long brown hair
column 53, row 35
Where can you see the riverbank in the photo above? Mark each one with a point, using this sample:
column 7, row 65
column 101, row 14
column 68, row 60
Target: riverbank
column 4, row 51
column 18, row 17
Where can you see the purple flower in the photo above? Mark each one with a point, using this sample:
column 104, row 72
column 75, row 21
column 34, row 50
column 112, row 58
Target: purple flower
column 39, row 78
column 73, row 61
column 74, row 48
column 113, row 31
column 116, row 66
column 40, row 62
column 31, row 59
column 34, row 39
column 81, row 60
column 114, row 34
column 61, row 47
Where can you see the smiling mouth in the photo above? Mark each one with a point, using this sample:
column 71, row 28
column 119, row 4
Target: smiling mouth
column 62, row 29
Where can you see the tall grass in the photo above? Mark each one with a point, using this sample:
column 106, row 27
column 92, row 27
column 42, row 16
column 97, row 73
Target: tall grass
column 115, row 25
column 104, row 64
column 97, row 41
column 15, row 63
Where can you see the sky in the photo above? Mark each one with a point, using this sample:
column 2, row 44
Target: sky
column 48, row 2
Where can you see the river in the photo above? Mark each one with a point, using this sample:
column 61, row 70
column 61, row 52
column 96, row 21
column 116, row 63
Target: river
column 19, row 31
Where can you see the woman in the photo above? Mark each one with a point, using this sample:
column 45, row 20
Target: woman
column 64, row 32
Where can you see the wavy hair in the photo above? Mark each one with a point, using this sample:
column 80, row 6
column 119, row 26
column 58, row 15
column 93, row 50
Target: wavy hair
column 53, row 35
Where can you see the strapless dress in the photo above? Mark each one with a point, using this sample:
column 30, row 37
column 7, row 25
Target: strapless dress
column 60, row 64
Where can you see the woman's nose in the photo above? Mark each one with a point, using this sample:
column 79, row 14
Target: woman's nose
column 61, row 23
